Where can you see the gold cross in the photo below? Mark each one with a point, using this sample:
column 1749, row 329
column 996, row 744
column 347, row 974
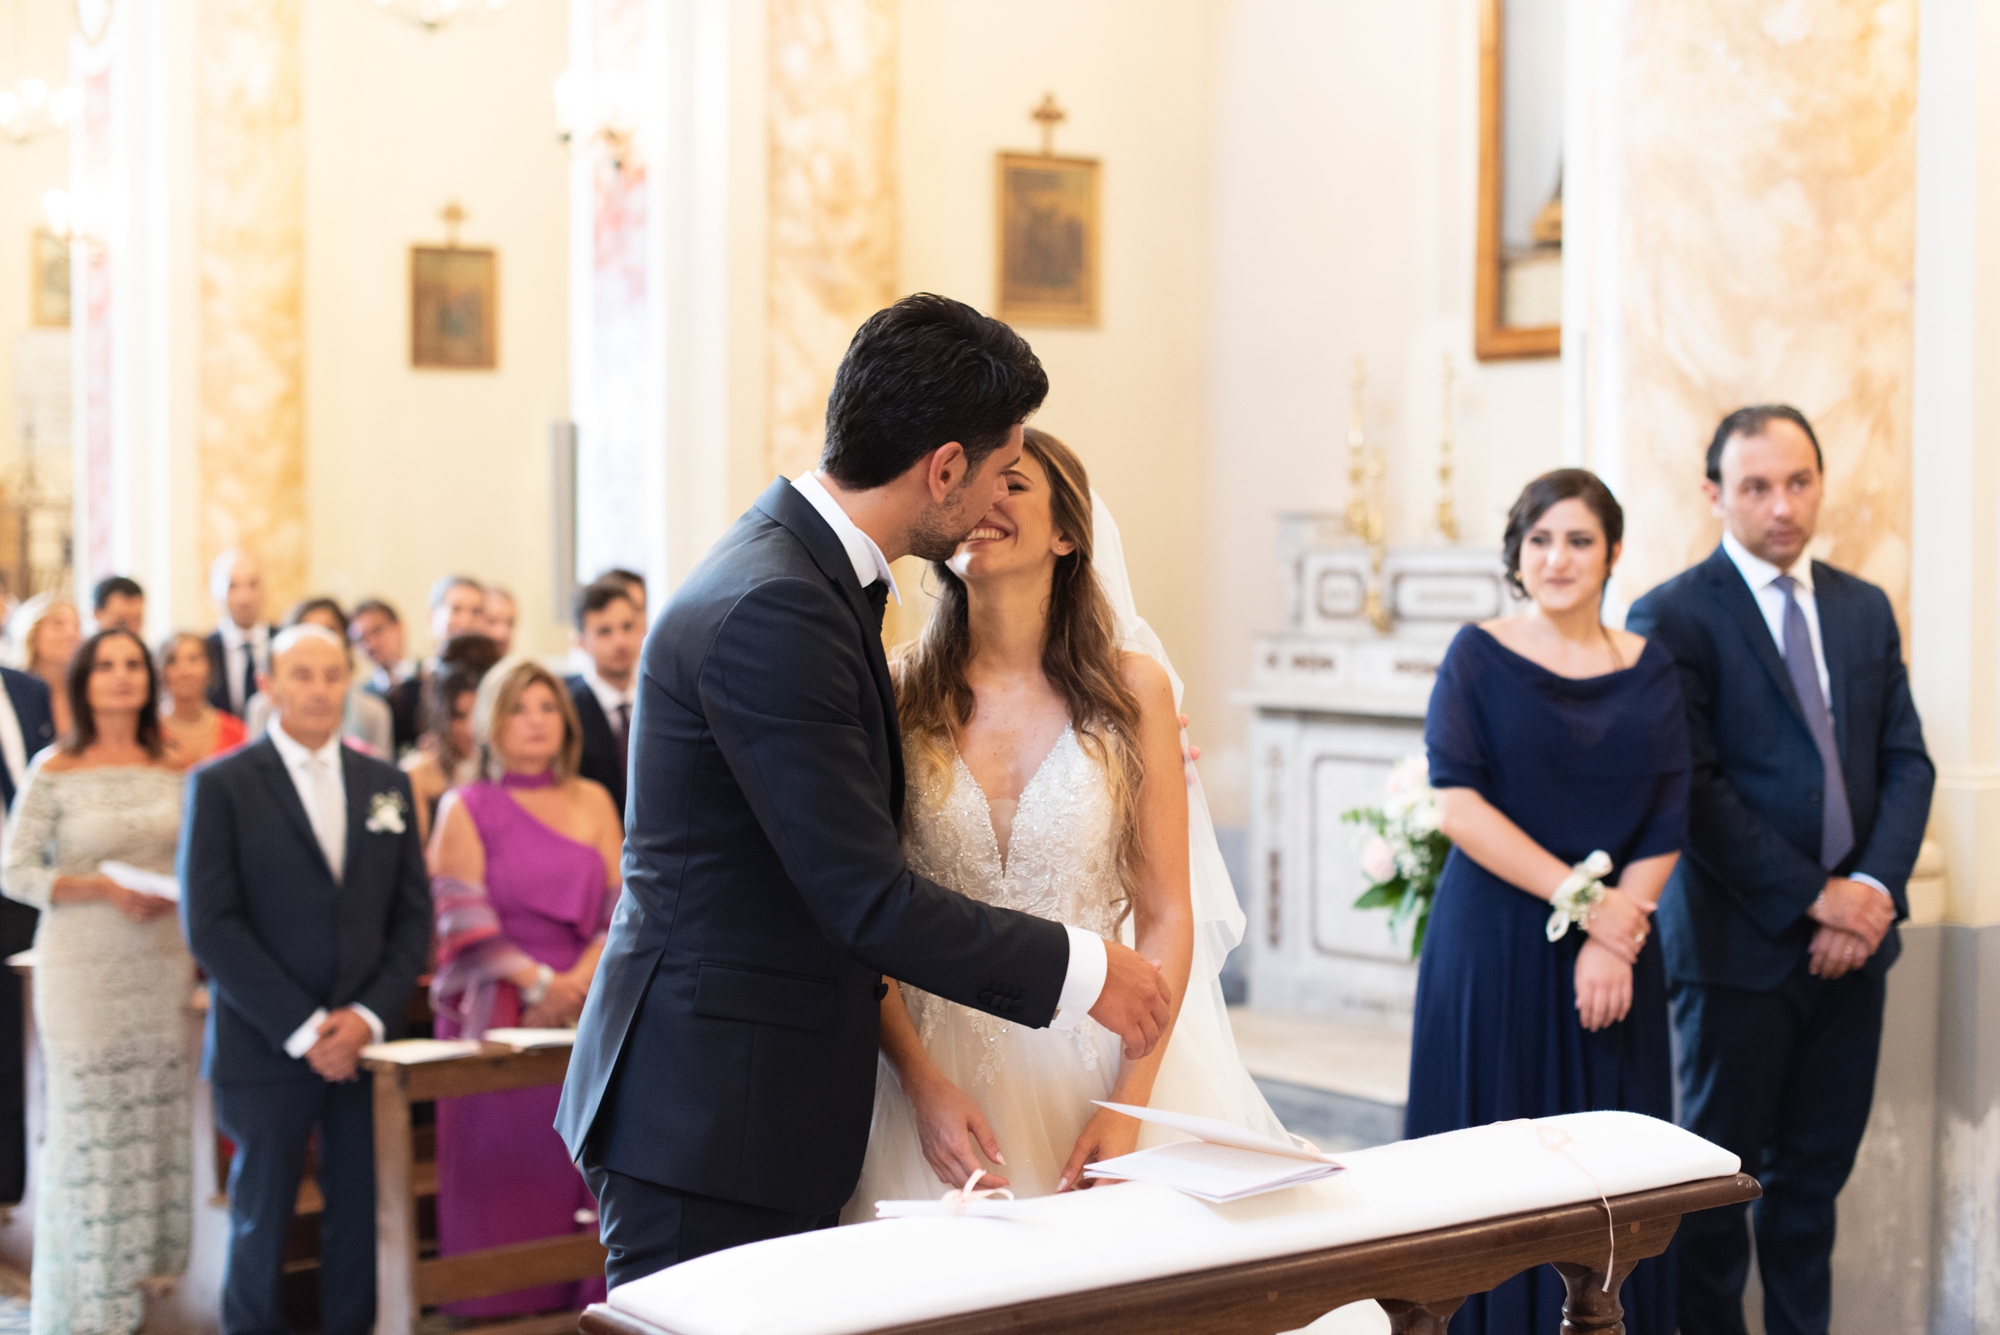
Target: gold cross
column 453, row 215
column 1048, row 115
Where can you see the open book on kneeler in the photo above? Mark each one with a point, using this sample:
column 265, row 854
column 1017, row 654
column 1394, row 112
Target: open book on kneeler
column 1222, row 1163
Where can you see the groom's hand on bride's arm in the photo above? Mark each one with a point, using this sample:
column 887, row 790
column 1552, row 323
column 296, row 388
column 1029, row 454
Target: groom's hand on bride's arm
column 1135, row 1003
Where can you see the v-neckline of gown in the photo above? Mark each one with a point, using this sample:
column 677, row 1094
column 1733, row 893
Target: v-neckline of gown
column 1001, row 859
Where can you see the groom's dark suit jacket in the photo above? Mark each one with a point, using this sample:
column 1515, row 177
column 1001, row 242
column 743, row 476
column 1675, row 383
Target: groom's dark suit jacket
column 728, row 1044
column 1733, row 915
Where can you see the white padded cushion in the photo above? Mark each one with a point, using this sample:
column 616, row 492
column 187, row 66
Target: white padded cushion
column 868, row 1276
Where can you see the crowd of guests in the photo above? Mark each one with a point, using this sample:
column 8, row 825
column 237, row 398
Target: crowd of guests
column 334, row 820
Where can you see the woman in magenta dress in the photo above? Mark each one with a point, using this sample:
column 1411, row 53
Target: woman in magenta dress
column 524, row 866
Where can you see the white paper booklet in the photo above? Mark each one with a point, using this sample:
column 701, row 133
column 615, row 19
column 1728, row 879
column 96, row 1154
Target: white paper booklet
column 1224, row 1162
column 140, row 880
column 407, row 1051
column 522, row 1039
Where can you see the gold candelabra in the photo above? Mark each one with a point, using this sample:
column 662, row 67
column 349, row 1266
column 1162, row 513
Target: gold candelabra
column 1447, row 512
column 1366, row 520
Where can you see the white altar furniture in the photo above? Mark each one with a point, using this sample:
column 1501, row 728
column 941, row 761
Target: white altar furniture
column 1336, row 704
column 1416, row 1225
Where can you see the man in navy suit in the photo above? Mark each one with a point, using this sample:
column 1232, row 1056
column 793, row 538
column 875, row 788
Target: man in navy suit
column 26, row 726
column 239, row 648
column 304, row 897
column 609, row 628
column 1811, row 790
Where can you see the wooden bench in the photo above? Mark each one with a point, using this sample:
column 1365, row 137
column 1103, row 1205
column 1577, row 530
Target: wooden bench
column 1420, row 1279
column 406, row 1281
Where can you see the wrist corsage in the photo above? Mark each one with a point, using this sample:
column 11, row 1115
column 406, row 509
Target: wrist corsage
column 532, row 994
column 1578, row 894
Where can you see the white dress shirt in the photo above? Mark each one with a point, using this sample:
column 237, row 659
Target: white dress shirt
column 609, row 698
column 326, row 810
column 13, row 745
column 1088, row 963
column 236, row 642
column 1762, row 577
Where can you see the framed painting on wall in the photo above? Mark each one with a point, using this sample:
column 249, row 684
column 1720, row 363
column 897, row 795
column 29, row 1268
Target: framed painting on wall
column 1048, row 239
column 48, row 284
column 454, row 308
column 1517, row 290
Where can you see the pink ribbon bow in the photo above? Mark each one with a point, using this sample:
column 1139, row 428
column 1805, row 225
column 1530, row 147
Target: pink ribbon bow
column 960, row 1197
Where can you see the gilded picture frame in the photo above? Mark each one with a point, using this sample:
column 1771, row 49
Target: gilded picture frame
column 1504, row 269
column 48, row 280
column 454, row 308
column 1047, row 239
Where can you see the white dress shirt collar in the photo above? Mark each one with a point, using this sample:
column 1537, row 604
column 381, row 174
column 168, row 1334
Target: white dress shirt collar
column 869, row 563
column 1758, row 573
column 297, row 755
column 235, row 637
column 609, row 697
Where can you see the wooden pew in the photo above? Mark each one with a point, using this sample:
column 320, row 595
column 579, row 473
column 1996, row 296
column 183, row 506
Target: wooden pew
column 407, row 1282
column 1420, row 1279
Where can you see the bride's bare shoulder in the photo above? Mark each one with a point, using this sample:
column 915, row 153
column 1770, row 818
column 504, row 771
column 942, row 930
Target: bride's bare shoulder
column 1145, row 678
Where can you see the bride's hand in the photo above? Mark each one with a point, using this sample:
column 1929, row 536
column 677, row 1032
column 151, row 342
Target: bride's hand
column 1105, row 1136
column 953, row 1133
column 1603, row 987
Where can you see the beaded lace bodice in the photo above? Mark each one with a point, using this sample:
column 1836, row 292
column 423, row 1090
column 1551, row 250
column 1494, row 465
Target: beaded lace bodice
column 1060, row 864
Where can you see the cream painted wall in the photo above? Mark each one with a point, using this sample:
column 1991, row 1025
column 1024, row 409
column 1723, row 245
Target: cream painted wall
column 411, row 474
column 1129, row 396
column 1341, row 223
column 34, row 42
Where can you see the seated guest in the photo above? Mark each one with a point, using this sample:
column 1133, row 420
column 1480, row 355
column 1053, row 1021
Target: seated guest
column 458, row 607
column 192, row 728
column 118, row 603
column 501, row 614
column 526, row 863
column 610, row 630
column 303, row 896
column 435, row 765
column 239, row 649
column 366, row 721
column 45, row 631
column 113, row 1197
column 26, row 726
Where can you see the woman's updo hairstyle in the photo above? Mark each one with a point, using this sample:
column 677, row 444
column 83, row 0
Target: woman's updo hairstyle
column 1548, row 491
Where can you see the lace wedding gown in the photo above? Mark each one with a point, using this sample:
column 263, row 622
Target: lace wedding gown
column 1035, row 1085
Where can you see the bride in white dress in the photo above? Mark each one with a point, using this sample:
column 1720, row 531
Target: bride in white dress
column 1039, row 719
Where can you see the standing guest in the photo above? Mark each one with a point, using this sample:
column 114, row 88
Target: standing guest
column 118, row 603
column 239, row 649
column 458, row 607
column 1554, row 741
column 45, row 631
column 304, row 897
column 435, row 765
column 501, row 615
column 526, row 863
column 192, row 728
column 610, row 630
column 366, row 720
column 26, row 726
column 1811, row 791
column 113, row 1203
column 635, row 585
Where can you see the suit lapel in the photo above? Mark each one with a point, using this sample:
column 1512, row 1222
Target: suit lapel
column 1749, row 618
column 354, row 778
column 1834, row 637
column 286, row 794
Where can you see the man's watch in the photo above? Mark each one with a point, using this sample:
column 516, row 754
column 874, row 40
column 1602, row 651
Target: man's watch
column 532, row 994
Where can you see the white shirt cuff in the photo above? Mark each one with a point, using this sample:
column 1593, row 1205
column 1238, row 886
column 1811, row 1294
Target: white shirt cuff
column 1085, row 980
column 1866, row 879
column 307, row 1034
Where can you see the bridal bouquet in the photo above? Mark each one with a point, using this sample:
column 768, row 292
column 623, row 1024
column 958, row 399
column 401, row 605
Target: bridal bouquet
column 1404, row 856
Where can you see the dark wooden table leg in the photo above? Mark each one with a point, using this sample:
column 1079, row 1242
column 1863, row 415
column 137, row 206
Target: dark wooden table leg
column 1429, row 1318
column 1590, row 1309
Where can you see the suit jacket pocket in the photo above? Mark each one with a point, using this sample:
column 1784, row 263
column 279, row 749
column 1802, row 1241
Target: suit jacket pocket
column 729, row 992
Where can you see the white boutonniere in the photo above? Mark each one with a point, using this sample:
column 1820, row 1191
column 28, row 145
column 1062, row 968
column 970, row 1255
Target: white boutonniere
column 386, row 812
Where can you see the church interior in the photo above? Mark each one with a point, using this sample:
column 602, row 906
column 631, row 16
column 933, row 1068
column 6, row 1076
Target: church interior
column 382, row 291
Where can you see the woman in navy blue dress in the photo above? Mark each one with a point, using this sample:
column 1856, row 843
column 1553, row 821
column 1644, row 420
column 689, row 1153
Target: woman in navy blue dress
column 1551, row 737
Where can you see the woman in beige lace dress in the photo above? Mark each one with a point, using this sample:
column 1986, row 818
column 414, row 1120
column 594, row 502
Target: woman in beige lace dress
column 112, row 980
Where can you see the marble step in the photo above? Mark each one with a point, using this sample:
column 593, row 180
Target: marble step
column 1342, row 1086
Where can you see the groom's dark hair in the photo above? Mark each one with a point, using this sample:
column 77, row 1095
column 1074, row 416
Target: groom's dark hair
column 920, row 374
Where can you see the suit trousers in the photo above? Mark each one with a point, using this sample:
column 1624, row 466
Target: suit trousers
column 1784, row 1080
column 271, row 1125
column 648, row 1227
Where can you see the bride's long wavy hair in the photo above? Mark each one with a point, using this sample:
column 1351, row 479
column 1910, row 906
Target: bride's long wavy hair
column 1081, row 657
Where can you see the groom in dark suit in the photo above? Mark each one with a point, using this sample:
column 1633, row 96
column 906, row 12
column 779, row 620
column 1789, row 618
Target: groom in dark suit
column 305, row 899
column 724, row 1072
column 1811, row 790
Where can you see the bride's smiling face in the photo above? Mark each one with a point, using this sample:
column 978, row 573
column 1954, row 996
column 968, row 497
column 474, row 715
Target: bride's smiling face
column 1018, row 534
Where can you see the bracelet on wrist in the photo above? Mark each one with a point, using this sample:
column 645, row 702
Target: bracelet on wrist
column 1581, row 891
column 533, row 993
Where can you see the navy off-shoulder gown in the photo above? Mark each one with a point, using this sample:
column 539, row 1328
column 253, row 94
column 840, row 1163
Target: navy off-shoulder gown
column 1579, row 765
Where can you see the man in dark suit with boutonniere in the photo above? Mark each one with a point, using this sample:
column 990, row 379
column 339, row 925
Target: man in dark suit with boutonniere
column 26, row 726
column 1811, row 791
column 305, row 899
